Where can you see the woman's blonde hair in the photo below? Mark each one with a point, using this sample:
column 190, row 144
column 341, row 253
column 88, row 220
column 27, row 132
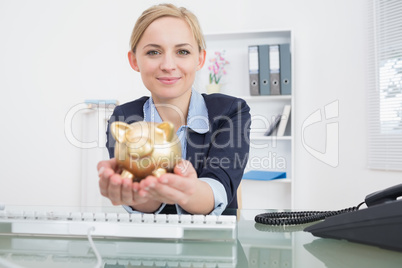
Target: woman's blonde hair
column 166, row 10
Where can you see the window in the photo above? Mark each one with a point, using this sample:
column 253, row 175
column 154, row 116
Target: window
column 385, row 86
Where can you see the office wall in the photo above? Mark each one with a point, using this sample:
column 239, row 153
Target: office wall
column 56, row 54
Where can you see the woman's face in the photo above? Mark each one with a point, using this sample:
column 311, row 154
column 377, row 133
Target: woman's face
column 167, row 56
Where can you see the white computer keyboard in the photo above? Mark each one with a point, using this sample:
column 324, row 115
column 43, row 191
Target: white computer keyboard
column 99, row 224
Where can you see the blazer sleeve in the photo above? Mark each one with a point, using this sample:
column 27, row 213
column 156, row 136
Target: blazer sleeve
column 228, row 145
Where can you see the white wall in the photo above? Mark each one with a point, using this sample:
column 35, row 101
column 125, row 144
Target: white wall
column 56, row 54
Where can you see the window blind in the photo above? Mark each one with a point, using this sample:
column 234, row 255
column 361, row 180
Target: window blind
column 385, row 86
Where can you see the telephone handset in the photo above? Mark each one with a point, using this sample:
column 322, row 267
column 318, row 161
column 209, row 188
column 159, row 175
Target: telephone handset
column 295, row 218
column 388, row 195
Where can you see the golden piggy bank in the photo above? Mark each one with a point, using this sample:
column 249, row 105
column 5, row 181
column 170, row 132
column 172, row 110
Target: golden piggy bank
column 145, row 148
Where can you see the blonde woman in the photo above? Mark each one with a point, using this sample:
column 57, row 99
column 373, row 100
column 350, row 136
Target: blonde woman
column 167, row 49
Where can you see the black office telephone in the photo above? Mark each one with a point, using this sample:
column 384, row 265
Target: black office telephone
column 380, row 224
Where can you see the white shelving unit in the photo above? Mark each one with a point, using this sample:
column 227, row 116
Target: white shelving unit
column 266, row 152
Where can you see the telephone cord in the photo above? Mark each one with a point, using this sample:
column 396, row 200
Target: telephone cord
column 299, row 217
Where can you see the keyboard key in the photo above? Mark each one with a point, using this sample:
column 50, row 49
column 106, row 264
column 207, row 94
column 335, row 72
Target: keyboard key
column 29, row 215
column 41, row 215
column 186, row 219
column 136, row 217
column 87, row 216
column 211, row 219
column 148, row 218
column 100, row 216
column 160, row 218
column 60, row 215
column 198, row 219
column 123, row 217
column 111, row 217
column 15, row 214
column 227, row 219
column 76, row 216
column 173, row 218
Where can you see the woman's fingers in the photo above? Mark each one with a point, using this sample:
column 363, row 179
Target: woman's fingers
column 106, row 169
column 127, row 194
column 112, row 164
column 185, row 168
column 114, row 189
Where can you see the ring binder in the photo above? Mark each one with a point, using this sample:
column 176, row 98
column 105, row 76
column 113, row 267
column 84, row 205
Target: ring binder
column 286, row 71
column 253, row 70
column 265, row 87
column 274, row 64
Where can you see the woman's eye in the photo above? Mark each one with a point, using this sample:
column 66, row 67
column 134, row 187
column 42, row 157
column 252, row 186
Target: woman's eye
column 183, row 52
column 152, row 52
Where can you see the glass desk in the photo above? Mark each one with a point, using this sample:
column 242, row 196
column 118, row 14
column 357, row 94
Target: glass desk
column 257, row 246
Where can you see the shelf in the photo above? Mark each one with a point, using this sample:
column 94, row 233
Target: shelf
column 270, row 138
column 249, row 35
column 266, row 98
column 287, row 180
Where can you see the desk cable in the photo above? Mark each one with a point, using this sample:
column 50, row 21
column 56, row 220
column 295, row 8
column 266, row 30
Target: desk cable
column 299, row 217
column 96, row 252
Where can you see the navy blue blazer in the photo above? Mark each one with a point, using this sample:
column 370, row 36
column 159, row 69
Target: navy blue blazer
column 222, row 153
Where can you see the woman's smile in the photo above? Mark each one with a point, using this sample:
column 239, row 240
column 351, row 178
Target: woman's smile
column 168, row 80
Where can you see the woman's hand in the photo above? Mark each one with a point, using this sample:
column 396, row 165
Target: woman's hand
column 181, row 187
column 122, row 191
